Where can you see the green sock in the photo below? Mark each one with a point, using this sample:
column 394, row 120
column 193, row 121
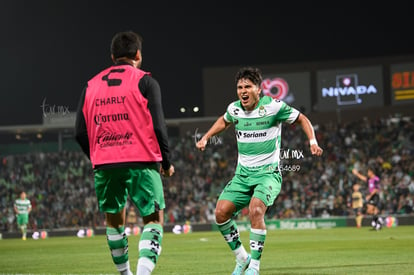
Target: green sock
column 150, row 242
column 230, row 233
column 257, row 240
column 118, row 244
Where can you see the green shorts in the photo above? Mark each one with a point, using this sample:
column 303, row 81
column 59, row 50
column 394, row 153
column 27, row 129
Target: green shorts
column 241, row 189
column 22, row 219
column 142, row 183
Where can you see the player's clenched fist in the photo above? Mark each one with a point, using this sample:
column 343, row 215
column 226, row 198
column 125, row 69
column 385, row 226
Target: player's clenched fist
column 316, row 150
column 201, row 144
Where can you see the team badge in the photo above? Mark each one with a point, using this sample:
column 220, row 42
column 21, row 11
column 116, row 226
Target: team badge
column 262, row 111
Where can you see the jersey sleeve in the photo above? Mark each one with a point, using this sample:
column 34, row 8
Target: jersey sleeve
column 286, row 112
column 228, row 117
column 151, row 90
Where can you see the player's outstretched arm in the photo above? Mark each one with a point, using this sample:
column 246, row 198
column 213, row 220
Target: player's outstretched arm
column 359, row 175
column 310, row 133
column 219, row 126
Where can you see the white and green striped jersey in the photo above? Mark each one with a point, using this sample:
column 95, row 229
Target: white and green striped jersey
column 23, row 206
column 258, row 134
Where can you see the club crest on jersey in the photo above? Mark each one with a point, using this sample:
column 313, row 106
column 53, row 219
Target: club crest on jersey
column 262, row 111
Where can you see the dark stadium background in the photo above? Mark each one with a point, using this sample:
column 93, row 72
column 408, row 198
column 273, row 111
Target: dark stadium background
column 49, row 49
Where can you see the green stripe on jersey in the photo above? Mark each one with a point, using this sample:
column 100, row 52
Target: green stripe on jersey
column 257, row 148
column 22, row 206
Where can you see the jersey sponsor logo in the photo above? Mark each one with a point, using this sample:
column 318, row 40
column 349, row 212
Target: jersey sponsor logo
column 109, row 139
column 264, row 122
column 241, row 134
column 100, row 118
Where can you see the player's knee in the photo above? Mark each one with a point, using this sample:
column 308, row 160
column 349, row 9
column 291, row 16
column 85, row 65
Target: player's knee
column 256, row 211
column 257, row 208
column 222, row 215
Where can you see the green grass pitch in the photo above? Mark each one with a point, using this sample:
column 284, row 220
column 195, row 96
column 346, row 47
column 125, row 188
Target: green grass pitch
column 318, row 251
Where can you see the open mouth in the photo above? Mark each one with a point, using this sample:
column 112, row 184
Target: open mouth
column 244, row 98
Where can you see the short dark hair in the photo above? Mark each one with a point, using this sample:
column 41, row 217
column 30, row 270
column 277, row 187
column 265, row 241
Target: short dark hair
column 253, row 74
column 126, row 44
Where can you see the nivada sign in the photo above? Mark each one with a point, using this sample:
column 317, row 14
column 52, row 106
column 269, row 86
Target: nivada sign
column 349, row 88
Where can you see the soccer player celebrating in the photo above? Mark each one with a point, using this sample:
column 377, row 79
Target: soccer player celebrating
column 257, row 181
column 22, row 208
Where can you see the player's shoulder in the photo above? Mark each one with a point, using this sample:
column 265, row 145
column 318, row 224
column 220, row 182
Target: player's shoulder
column 272, row 105
column 270, row 101
column 235, row 105
column 149, row 84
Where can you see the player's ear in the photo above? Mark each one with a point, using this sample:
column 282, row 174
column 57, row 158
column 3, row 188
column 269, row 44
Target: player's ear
column 138, row 56
column 113, row 58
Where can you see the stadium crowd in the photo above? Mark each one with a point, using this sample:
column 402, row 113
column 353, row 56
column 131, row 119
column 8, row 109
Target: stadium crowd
column 61, row 189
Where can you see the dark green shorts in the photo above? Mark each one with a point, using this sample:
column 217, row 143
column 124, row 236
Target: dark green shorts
column 142, row 183
column 241, row 189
